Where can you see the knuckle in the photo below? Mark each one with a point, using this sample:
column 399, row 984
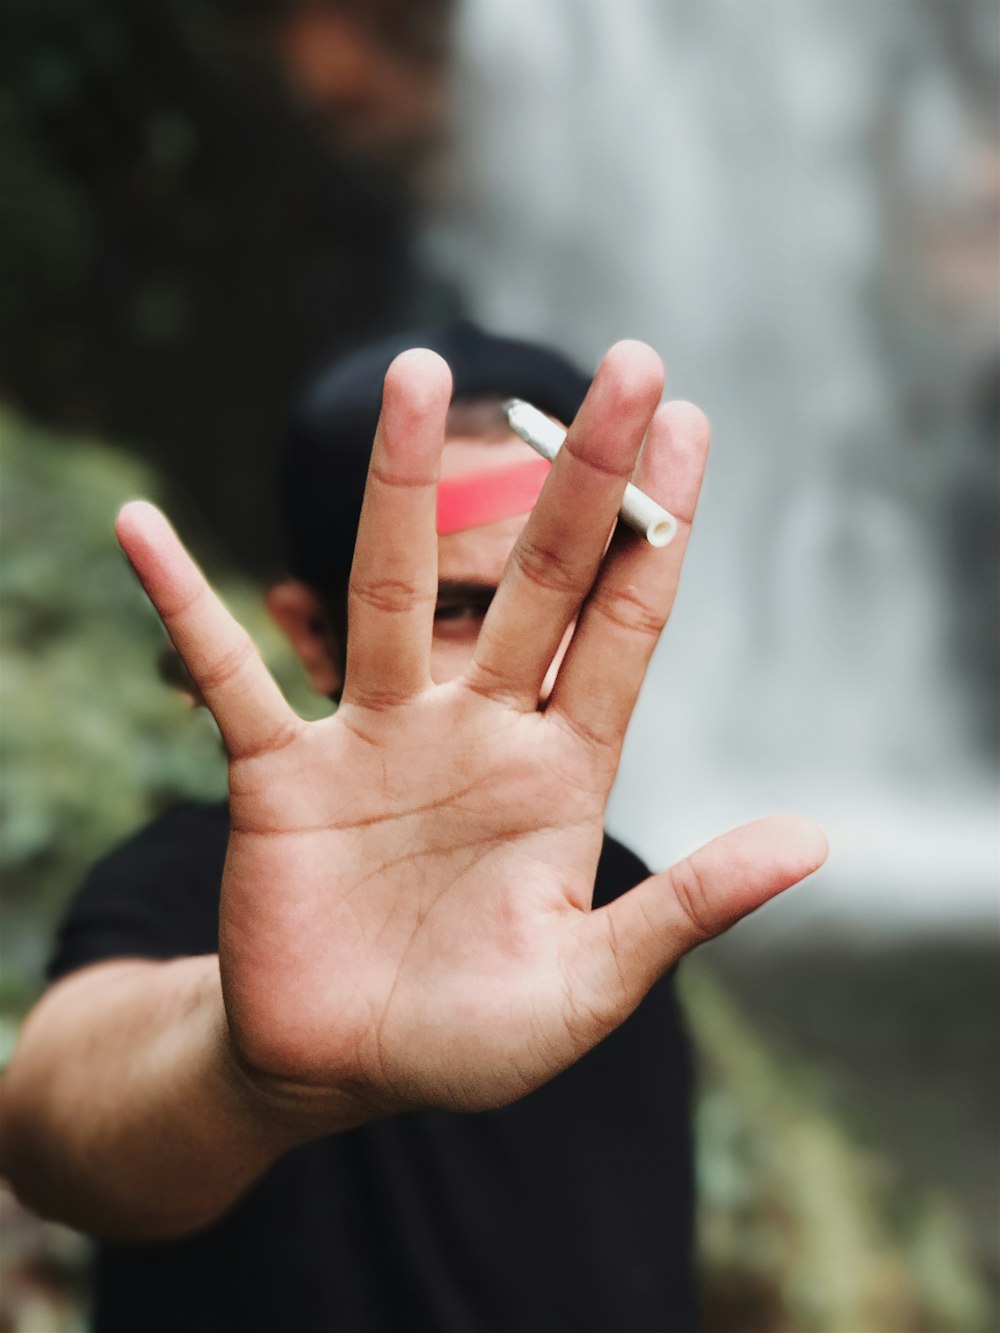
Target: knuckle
column 284, row 734
column 625, row 609
column 229, row 665
column 391, row 596
column 604, row 468
column 397, row 481
column 376, row 700
column 691, row 892
column 545, row 567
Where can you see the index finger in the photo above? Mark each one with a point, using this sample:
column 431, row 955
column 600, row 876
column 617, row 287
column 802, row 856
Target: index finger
column 252, row 713
column 393, row 585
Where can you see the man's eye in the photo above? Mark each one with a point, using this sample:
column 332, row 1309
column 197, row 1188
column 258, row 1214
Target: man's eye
column 461, row 608
column 459, row 611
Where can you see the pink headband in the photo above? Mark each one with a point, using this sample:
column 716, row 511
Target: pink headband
column 472, row 499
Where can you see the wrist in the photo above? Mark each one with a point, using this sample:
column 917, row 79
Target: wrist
column 280, row 1113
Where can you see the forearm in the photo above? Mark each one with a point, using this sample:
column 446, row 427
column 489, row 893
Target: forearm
column 126, row 1113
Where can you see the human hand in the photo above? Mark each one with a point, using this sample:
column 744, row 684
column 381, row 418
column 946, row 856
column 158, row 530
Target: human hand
column 406, row 906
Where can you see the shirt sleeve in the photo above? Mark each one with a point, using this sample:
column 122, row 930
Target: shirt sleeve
column 155, row 896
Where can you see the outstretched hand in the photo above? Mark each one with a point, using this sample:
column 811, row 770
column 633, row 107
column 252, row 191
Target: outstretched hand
column 406, row 905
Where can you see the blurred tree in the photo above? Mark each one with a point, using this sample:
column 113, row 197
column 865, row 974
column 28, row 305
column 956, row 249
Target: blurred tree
column 804, row 1226
column 201, row 200
column 94, row 741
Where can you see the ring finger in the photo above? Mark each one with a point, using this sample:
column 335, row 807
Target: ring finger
column 558, row 553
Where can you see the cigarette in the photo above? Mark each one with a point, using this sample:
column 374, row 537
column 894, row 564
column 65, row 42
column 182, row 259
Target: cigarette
column 638, row 509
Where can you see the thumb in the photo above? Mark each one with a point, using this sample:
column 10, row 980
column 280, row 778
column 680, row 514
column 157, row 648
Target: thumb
column 648, row 929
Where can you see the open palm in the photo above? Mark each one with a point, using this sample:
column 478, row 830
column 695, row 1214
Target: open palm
column 406, row 906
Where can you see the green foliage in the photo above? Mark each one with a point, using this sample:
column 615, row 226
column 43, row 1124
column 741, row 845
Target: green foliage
column 803, row 1227
column 94, row 743
column 180, row 243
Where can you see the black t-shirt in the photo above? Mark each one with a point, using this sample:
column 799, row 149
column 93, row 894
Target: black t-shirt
column 569, row 1211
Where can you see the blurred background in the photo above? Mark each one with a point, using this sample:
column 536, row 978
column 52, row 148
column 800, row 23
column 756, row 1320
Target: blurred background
column 798, row 205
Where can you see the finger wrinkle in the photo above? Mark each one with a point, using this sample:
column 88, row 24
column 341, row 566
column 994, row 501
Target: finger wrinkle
column 588, row 780
column 626, row 610
column 252, row 830
column 356, row 731
column 500, row 693
column 391, row 596
column 581, row 453
column 543, row 565
column 168, row 614
column 284, row 735
column 691, row 893
column 396, row 481
column 381, row 701
column 592, row 739
column 225, row 668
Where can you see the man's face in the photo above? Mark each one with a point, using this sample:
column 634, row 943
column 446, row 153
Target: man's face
column 471, row 562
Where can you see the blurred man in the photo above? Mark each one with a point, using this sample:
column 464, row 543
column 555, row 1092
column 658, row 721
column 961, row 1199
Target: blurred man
column 366, row 1051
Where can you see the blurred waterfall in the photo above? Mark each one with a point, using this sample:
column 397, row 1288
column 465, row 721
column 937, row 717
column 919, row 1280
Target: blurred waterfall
column 728, row 181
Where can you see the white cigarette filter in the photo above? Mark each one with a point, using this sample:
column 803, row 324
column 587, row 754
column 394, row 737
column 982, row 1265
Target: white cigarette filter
column 638, row 510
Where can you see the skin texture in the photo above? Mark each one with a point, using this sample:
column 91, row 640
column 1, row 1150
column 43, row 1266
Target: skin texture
column 406, row 906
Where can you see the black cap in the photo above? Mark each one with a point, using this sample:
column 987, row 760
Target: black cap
column 331, row 439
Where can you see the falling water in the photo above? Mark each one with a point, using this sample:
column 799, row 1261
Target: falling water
column 717, row 178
